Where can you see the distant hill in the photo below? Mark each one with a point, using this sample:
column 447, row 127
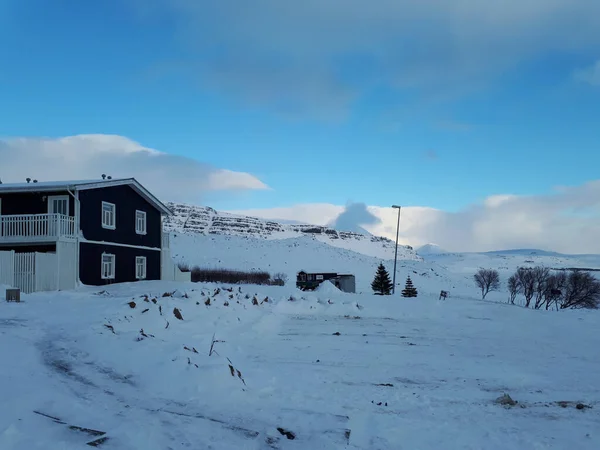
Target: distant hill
column 430, row 249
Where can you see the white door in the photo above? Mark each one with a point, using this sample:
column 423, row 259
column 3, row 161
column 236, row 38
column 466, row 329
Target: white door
column 57, row 204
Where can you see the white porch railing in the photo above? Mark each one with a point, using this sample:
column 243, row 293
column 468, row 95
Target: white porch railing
column 36, row 227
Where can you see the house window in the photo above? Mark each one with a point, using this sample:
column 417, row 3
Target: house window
column 108, row 266
column 140, row 222
column 108, row 215
column 140, row 267
column 319, row 277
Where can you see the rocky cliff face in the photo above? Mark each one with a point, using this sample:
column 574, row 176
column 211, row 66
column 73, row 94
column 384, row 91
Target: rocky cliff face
column 191, row 219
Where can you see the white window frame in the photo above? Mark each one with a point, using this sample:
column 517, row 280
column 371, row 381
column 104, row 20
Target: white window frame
column 140, row 261
column 319, row 277
column 112, row 267
column 140, row 220
column 105, row 224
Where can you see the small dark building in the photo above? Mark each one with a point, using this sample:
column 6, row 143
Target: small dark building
column 95, row 232
column 310, row 281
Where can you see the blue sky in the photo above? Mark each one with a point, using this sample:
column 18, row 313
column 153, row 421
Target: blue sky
column 320, row 105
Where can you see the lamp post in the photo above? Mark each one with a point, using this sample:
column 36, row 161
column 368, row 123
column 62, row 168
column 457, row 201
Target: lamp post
column 399, row 208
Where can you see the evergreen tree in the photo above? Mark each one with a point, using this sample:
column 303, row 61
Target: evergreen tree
column 382, row 285
column 409, row 289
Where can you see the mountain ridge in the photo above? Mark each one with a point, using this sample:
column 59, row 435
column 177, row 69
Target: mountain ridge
column 204, row 220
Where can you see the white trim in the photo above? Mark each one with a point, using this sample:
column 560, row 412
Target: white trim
column 116, row 244
column 114, row 216
column 112, row 266
column 139, row 259
column 143, row 230
column 51, row 198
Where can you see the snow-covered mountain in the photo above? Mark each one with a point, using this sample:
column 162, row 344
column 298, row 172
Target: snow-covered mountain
column 206, row 221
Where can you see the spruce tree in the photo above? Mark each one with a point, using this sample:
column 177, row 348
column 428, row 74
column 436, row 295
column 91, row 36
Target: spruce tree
column 382, row 285
column 409, row 289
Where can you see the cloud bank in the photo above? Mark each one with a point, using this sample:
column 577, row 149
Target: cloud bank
column 567, row 221
column 316, row 57
column 171, row 177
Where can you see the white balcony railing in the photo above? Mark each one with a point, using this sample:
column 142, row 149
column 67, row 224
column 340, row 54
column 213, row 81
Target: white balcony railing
column 36, row 227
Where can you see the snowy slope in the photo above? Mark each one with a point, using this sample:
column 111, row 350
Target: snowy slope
column 390, row 374
column 305, row 253
column 198, row 220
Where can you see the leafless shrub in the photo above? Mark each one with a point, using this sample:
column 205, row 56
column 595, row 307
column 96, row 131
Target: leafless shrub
column 487, row 280
column 555, row 286
column 514, row 288
column 526, row 280
column 578, row 289
column 582, row 290
column 279, row 279
column 540, row 279
column 229, row 276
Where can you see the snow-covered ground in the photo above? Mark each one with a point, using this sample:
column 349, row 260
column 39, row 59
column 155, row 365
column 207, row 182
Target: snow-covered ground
column 339, row 371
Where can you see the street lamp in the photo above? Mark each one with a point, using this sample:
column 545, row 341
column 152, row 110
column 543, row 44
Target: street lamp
column 399, row 208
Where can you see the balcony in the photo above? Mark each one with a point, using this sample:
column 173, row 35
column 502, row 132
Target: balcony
column 36, row 228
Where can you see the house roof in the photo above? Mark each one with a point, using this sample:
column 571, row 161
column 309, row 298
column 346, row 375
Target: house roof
column 81, row 185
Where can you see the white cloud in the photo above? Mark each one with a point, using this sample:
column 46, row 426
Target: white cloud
column 590, row 75
column 172, row 177
column 316, row 56
column 567, row 221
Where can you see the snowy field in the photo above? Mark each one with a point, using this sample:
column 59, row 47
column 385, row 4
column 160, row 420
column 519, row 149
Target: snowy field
column 326, row 371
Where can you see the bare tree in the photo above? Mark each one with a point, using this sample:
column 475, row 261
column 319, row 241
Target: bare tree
column 526, row 280
column 540, row 279
column 487, row 280
column 280, row 279
column 555, row 286
column 582, row 291
column 514, row 288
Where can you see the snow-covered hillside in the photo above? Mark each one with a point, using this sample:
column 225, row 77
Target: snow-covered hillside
column 288, row 370
column 507, row 261
column 205, row 221
column 306, row 253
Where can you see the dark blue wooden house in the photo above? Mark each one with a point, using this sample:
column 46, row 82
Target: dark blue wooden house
column 56, row 235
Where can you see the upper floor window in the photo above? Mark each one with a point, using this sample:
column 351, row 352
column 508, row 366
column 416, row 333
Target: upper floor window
column 108, row 215
column 140, row 222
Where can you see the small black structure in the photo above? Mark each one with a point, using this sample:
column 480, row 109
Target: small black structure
column 310, row 281
column 99, row 231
